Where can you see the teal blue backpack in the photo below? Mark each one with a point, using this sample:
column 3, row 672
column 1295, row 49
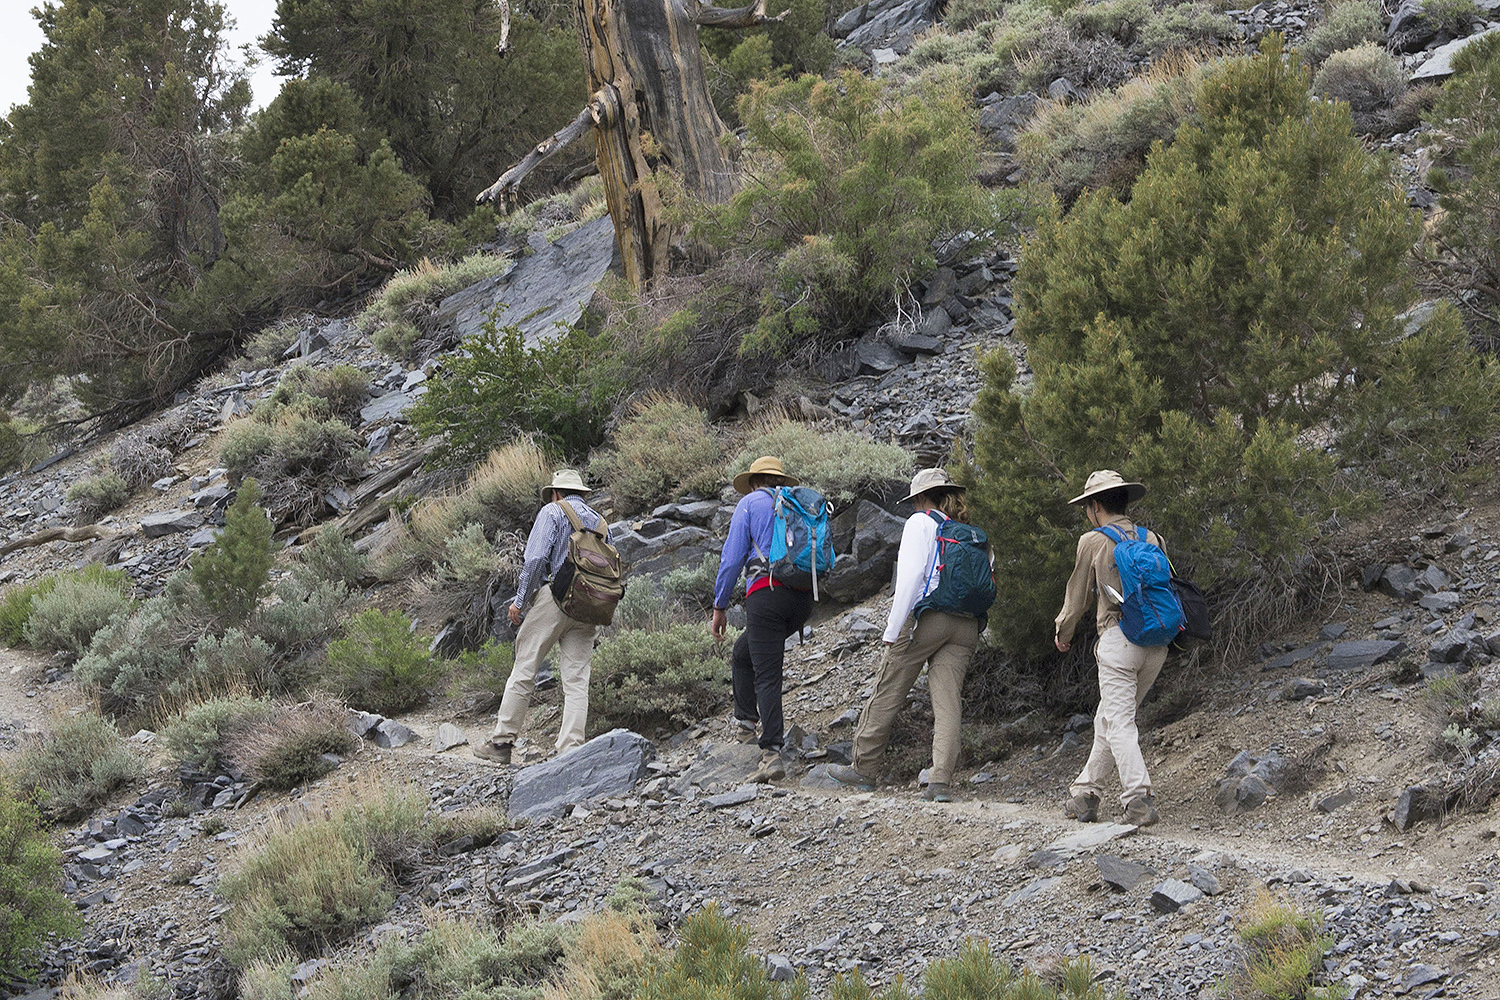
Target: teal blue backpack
column 1150, row 614
column 965, row 578
column 801, row 541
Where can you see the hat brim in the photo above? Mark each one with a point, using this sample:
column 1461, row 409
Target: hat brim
column 1133, row 492
column 572, row 489
column 742, row 481
column 929, row 489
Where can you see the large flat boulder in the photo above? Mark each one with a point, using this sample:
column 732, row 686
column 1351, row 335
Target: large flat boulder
column 607, row 766
column 867, row 540
column 1440, row 63
column 543, row 292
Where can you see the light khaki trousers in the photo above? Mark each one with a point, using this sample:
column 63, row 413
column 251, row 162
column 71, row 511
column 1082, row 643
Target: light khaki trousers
column 945, row 643
column 546, row 626
column 1126, row 673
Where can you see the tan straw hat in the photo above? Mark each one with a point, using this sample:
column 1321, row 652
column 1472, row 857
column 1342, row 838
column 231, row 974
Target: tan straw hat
column 766, row 465
column 566, row 479
column 930, row 479
column 1104, row 480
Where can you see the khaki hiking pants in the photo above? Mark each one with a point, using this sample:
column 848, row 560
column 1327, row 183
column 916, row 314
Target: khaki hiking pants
column 1126, row 673
column 546, row 626
column 945, row 643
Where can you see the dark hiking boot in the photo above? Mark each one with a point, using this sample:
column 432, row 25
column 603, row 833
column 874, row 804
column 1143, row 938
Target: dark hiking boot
column 848, row 776
column 1141, row 811
column 489, row 750
column 771, row 768
column 937, row 792
column 1083, row 808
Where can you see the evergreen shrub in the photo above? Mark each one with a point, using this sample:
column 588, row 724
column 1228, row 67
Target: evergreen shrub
column 97, row 495
column 233, row 572
column 665, row 448
column 1344, row 25
column 848, row 187
column 645, row 678
column 1229, row 337
column 1368, row 79
column 498, row 388
column 73, row 768
column 381, row 665
column 838, row 463
column 66, row 617
column 32, row 904
column 1462, row 259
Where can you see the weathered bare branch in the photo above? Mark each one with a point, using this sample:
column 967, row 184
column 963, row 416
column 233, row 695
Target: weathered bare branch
column 509, row 181
column 736, row 17
column 87, row 533
column 503, row 45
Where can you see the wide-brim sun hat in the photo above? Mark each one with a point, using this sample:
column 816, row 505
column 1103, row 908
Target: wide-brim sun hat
column 766, row 465
column 566, row 479
column 1104, row 480
column 930, row 479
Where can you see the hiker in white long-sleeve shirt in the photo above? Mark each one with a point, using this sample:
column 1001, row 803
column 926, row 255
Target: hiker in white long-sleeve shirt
column 943, row 641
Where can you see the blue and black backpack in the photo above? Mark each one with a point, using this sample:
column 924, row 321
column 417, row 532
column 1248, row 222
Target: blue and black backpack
column 1150, row 614
column 801, row 542
column 965, row 578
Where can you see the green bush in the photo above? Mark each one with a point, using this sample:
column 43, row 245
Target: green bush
column 470, row 556
column 664, row 449
column 1103, row 142
column 848, row 188
column 18, row 601
column 74, row 768
column 327, row 393
column 303, row 616
column 694, row 582
column 390, row 318
column 837, row 463
column 136, row 662
column 1462, row 260
column 1344, row 26
column 287, row 749
column 294, row 457
column 1186, row 26
column 1283, row 957
column 498, row 388
column 98, row 495
column 381, row 665
column 200, row 735
column 232, row 661
column 32, row 904
column 484, row 669
column 330, row 557
column 1368, row 79
column 648, row 606
column 235, row 570
column 66, row 617
column 1052, row 50
column 1162, row 347
column 645, row 678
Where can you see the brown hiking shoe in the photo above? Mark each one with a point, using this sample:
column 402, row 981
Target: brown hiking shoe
column 489, row 750
column 771, row 768
column 846, row 775
column 1141, row 811
column 937, row 792
column 744, row 731
column 1083, row 808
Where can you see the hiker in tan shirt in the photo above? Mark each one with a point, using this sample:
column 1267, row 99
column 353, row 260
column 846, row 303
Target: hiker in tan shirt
column 1126, row 671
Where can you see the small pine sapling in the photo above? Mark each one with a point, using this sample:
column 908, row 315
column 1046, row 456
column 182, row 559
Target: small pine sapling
column 234, row 572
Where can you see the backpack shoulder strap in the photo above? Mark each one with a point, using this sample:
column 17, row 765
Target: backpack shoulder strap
column 1111, row 532
column 1141, row 533
column 572, row 514
column 937, row 516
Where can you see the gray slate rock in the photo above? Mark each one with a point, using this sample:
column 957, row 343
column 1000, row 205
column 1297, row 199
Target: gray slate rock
column 1416, row 804
column 1119, row 874
column 1364, row 653
column 867, row 539
column 550, row 287
column 779, row 969
column 170, row 522
column 1400, row 581
column 448, row 736
column 1440, row 63
column 723, row 767
column 1004, row 118
column 1032, row 890
column 1173, row 894
column 1336, row 801
column 391, row 406
column 392, row 734
column 604, row 767
column 1204, row 880
column 736, row 797
column 1292, row 658
column 1457, row 646
column 360, row 723
column 1442, row 602
column 660, row 545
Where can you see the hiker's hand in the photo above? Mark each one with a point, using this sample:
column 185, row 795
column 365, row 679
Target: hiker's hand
column 515, row 615
column 720, row 623
column 1062, row 647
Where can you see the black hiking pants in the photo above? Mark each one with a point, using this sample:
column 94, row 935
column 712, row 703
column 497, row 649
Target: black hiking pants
column 772, row 614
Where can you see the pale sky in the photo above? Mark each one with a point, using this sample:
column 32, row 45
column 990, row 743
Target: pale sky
column 20, row 36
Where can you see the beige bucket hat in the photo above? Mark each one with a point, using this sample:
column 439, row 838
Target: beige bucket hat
column 766, row 465
column 930, row 479
column 1104, row 480
column 566, row 479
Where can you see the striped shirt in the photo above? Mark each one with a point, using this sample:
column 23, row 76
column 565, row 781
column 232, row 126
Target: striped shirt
column 547, row 546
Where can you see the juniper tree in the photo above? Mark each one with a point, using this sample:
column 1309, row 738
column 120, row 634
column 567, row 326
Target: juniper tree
column 1229, row 335
column 234, row 572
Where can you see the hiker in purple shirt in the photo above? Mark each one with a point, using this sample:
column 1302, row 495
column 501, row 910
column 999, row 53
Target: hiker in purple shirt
column 773, row 611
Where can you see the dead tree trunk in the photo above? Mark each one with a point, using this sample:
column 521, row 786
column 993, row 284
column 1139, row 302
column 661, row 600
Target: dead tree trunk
column 650, row 108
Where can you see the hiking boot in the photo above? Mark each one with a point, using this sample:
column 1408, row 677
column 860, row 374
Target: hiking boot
column 771, row 768
column 744, row 731
column 1083, row 808
column 846, row 775
column 490, row 750
column 1141, row 811
column 937, row 792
